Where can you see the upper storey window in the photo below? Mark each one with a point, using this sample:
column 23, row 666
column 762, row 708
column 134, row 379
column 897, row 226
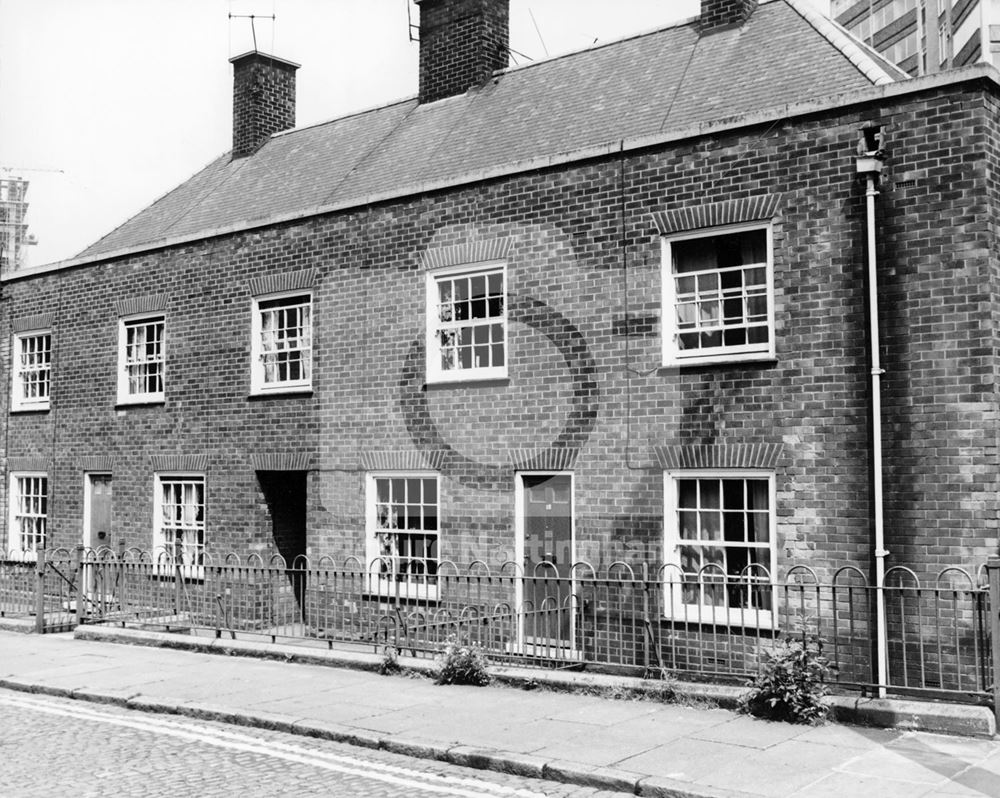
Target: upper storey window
column 141, row 359
column 282, row 343
column 467, row 323
column 32, row 367
column 718, row 296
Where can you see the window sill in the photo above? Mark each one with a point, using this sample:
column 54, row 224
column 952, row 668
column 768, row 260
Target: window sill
column 376, row 589
column 404, row 597
column 734, row 361
column 137, row 403
column 284, row 393
column 467, row 382
column 752, row 620
column 40, row 409
column 189, row 574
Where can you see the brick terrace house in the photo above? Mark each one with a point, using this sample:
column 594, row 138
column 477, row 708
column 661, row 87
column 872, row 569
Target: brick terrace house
column 610, row 306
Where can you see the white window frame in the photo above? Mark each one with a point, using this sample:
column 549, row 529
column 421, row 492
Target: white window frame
column 16, row 542
column 162, row 554
column 436, row 374
column 125, row 396
column 258, row 384
column 674, row 607
column 378, row 583
column 18, row 401
column 675, row 356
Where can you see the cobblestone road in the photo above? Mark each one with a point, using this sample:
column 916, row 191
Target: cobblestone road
column 54, row 747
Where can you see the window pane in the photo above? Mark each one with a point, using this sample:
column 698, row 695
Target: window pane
column 710, row 526
column 758, row 494
column 732, row 494
column 688, row 525
column 734, row 527
column 709, row 493
column 687, row 493
column 758, row 528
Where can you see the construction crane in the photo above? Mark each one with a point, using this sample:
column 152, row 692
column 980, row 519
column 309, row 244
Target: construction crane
column 29, row 169
column 14, row 235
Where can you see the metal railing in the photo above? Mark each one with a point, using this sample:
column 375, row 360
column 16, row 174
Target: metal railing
column 40, row 588
column 941, row 635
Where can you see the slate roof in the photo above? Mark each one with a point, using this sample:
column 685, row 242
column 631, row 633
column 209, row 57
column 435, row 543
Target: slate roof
column 667, row 79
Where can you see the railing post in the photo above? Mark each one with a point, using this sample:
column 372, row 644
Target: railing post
column 178, row 586
column 80, row 580
column 993, row 572
column 646, row 621
column 40, row 591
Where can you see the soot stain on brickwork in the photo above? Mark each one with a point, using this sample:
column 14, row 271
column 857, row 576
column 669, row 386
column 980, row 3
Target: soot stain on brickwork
column 572, row 345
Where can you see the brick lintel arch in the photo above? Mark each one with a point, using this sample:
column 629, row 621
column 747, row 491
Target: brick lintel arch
column 721, row 455
column 717, row 214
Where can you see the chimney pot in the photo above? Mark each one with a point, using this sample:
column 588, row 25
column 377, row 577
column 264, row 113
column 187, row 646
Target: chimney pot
column 263, row 99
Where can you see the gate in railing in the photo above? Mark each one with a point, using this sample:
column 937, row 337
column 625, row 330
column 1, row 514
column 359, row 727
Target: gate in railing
column 941, row 635
column 40, row 590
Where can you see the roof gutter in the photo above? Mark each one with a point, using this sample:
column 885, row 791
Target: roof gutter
column 611, row 148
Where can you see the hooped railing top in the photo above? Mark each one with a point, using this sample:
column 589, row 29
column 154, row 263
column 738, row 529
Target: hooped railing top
column 898, row 577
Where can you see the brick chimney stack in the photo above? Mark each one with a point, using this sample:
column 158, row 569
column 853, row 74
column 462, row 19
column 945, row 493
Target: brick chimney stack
column 263, row 99
column 462, row 42
column 718, row 14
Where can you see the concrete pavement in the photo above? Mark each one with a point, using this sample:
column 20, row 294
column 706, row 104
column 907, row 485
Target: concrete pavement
column 640, row 747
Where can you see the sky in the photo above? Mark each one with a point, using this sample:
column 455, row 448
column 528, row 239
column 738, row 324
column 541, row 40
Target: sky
column 106, row 105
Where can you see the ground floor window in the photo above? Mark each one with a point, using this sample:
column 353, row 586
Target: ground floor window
column 402, row 526
column 179, row 530
column 29, row 509
column 720, row 546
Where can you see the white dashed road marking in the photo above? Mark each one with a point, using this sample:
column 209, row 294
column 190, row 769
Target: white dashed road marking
column 236, row 741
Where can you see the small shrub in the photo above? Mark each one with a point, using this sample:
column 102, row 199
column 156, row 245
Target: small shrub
column 462, row 664
column 666, row 690
column 792, row 683
column 390, row 661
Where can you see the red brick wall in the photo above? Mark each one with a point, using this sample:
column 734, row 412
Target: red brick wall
column 568, row 288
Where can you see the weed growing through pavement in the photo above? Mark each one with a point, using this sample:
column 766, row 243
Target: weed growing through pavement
column 390, row 661
column 792, row 683
column 462, row 664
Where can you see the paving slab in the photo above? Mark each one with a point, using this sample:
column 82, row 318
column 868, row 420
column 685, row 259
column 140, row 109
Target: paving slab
column 750, row 732
column 606, row 713
column 687, row 759
column 849, row 785
column 976, row 781
column 779, row 770
column 859, row 737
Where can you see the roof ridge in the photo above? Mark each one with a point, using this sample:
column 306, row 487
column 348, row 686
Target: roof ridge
column 853, row 50
column 589, row 48
column 330, row 120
